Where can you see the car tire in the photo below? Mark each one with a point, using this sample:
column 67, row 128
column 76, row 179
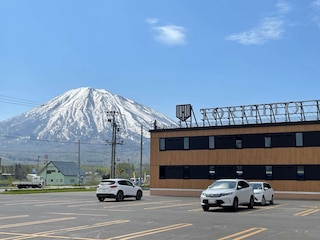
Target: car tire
column 272, row 200
column 251, row 203
column 139, row 195
column 205, row 208
column 119, row 196
column 101, row 199
column 263, row 201
column 235, row 204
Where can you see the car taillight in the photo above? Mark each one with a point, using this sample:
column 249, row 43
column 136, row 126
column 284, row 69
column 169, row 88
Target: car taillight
column 113, row 186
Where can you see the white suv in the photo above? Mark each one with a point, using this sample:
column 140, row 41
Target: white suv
column 118, row 189
column 227, row 193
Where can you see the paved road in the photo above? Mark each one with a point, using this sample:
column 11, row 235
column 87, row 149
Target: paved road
column 80, row 216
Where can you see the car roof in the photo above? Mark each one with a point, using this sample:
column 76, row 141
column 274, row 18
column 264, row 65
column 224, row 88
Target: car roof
column 114, row 179
column 232, row 179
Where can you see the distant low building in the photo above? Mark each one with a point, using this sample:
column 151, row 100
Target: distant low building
column 57, row 173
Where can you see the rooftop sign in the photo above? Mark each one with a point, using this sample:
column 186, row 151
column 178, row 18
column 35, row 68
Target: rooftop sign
column 262, row 113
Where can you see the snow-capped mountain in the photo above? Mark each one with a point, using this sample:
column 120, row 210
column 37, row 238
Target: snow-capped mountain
column 82, row 115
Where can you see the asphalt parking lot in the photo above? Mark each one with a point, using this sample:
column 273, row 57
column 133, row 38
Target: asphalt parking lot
column 81, row 216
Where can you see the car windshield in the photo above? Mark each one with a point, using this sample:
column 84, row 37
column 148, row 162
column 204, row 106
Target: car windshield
column 223, row 185
column 256, row 185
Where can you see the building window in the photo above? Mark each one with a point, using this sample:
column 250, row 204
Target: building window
column 212, row 172
column 211, row 142
column 239, row 171
column 268, row 172
column 162, row 172
column 238, row 142
column 186, row 172
column 186, row 143
column 299, row 139
column 162, row 144
column 300, row 172
column 267, row 141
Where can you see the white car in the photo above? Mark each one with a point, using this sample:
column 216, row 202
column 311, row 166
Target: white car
column 227, row 193
column 263, row 192
column 118, row 189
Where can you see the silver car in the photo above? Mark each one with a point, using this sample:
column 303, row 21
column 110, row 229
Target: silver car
column 227, row 193
column 118, row 189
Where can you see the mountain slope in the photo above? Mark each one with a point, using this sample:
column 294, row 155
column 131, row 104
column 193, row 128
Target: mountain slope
column 83, row 115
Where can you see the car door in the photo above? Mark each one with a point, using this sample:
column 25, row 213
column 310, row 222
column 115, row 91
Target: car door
column 268, row 191
column 131, row 191
column 244, row 192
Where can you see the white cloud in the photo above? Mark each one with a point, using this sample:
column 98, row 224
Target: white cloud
column 170, row 34
column 316, row 16
column 283, row 7
column 316, row 4
column 151, row 20
column 268, row 29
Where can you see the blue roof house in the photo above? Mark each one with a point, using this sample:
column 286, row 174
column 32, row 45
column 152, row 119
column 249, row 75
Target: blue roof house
column 57, row 173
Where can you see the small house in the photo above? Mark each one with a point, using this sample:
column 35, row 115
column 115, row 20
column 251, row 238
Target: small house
column 57, row 173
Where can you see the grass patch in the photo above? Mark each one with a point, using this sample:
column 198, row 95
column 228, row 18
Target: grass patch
column 47, row 190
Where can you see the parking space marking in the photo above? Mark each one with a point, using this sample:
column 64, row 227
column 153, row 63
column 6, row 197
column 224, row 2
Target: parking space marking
column 57, row 203
column 11, row 217
column 170, row 206
column 50, row 233
column 150, row 231
column 35, row 222
column 244, row 234
column 306, row 212
column 196, row 210
column 123, row 205
column 264, row 208
column 30, row 202
column 79, row 214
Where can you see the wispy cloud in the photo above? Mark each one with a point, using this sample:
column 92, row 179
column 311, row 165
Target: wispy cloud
column 316, row 7
column 283, row 7
column 269, row 28
column 151, row 20
column 316, row 4
column 170, row 34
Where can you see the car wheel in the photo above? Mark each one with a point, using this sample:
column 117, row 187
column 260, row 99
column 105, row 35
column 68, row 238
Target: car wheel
column 101, row 199
column 119, row 196
column 139, row 195
column 251, row 203
column 235, row 204
column 271, row 201
column 205, row 208
column 263, row 201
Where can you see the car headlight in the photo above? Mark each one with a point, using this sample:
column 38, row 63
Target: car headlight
column 226, row 194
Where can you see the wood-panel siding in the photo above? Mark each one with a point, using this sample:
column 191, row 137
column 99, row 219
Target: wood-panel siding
column 252, row 156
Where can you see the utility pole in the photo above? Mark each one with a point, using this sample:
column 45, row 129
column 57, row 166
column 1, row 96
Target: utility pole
column 115, row 129
column 141, row 143
column 79, row 176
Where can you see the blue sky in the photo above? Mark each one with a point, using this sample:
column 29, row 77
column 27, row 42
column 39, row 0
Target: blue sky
column 160, row 53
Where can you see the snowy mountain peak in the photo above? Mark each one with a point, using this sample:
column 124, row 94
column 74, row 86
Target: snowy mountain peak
column 84, row 114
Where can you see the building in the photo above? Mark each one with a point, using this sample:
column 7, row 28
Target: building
column 278, row 142
column 57, row 173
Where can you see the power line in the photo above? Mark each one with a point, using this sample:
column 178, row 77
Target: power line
column 49, row 141
column 18, row 101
